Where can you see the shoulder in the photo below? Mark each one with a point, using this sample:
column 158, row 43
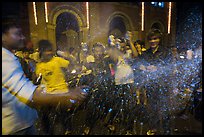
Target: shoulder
column 60, row 60
column 9, row 60
column 7, row 55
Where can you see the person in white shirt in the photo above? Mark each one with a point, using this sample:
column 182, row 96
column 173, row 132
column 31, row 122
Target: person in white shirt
column 19, row 95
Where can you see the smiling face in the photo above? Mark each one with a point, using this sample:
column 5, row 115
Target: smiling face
column 154, row 41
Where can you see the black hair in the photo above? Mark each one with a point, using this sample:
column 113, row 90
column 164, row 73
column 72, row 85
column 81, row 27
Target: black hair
column 6, row 25
column 154, row 32
column 44, row 45
column 98, row 45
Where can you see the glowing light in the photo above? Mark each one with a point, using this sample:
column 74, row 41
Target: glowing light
column 46, row 13
column 181, row 56
column 142, row 16
column 35, row 15
column 160, row 3
column 152, row 2
column 87, row 14
column 169, row 19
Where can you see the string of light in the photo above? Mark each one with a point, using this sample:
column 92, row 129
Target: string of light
column 46, row 12
column 34, row 12
column 142, row 16
column 169, row 19
column 87, row 14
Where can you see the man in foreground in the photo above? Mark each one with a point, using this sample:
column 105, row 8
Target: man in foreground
column 19, row 95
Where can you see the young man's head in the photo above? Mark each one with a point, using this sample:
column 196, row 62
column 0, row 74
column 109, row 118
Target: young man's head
column 154, row 38
column 12, row 37
column 98, row 50
column 45, row 50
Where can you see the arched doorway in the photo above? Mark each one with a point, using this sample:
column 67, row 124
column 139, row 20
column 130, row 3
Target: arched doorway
column 67, row 31
column 117, row 27
column 157, row 26
column 118, row 23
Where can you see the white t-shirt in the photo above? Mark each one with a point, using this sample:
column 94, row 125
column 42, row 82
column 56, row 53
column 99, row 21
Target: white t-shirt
column 17, row 90
column 124, row 73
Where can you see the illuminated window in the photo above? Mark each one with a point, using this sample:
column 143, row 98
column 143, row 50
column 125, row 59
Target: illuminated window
column 158, row 4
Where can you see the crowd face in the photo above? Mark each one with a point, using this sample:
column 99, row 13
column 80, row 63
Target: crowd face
column 154, row 41
column 47, row 55
column 14, row 38
column 26, row 54
column 98, row 52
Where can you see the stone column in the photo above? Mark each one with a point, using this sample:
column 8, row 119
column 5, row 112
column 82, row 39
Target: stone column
column 33, row 26
column 51, row 34
column 41, row 27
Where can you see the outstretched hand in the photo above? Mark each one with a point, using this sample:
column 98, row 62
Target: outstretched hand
column 77, row 94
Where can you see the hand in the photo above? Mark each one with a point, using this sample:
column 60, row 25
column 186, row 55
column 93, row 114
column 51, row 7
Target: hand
column 77, row 94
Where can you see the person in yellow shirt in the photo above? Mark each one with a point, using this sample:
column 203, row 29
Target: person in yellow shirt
column 50, row 68
column 52, row 75
column 54, row 82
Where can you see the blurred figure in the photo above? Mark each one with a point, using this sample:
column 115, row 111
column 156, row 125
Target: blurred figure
column 175, row 55
column 50, row 68
column 102, row 62
column 28, row 64
column 103, row 81
column 130, row 50
column 85, row 55
column 54, row 82
column 20, row 97
column 141, row 92
column 124, row 87
column 139, row 45
column 154, row 63
column 111, row 40
column 72, row 55
column 35, row 55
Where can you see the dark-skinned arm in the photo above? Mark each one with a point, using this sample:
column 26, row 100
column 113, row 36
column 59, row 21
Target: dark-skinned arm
column 41, row 98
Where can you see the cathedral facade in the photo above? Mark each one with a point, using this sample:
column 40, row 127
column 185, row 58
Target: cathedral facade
column 67, row 24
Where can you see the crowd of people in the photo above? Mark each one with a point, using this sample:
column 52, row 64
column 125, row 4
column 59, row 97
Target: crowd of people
column 132, row 90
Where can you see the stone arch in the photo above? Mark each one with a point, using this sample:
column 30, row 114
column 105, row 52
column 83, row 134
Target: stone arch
column 159, row 25
column 126, row 19
column 70, row 9
column 58, row 10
